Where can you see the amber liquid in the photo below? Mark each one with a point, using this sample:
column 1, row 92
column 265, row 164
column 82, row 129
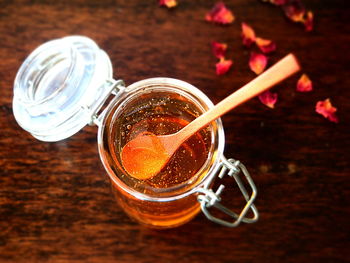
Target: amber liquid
column 161, row 113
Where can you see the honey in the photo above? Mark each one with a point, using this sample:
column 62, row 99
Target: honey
column 162, row 113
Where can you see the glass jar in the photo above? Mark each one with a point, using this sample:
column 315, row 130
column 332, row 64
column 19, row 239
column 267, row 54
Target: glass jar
column 64, row 84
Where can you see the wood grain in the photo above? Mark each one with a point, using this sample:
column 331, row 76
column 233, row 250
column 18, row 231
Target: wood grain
column 55, row 201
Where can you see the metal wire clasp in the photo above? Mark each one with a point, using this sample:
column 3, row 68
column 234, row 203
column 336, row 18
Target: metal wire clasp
column 208, row 198
column 110, row 86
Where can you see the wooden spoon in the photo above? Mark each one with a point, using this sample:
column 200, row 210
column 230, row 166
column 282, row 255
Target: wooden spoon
column 146, row 154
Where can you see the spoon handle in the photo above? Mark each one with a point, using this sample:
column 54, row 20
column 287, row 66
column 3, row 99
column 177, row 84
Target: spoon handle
column 275, row 74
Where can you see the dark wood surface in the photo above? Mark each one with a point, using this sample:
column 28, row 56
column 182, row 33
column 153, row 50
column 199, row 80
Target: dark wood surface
column 55, row 201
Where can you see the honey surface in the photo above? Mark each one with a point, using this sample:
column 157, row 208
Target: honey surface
column 161, row 114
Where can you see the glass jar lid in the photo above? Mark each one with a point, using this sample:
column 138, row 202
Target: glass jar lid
column 60, row 86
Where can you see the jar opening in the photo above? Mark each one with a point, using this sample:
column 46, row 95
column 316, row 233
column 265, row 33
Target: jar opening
column 161, row 109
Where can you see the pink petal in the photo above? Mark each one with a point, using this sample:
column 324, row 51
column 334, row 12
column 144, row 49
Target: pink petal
column 168, row 3
column 326, row 109
column 257, row 62
column 223, row 66
column 304, row 84
column 276, row 2
column 220, row 14
column 294, row 10
column 309, row 21
column 248, row 35
column 219, row 49
column 268, row 98
column 265, row 45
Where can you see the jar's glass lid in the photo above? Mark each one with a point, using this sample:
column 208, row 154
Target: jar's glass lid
column 58, row 84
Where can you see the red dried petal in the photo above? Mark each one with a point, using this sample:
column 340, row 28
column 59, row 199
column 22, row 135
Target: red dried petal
column 257, row 62
column 309, row 21
column 168, row 3
column 326, row 109
column 304, row 84
column 220, row 14
column 219, row 49
column 265, row 45
column 294, row 10
column 223, row 66
column 248, row 35
column 268, row 98
column 276, row 2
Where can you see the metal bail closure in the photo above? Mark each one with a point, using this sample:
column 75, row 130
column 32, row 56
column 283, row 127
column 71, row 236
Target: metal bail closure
column 208, row 198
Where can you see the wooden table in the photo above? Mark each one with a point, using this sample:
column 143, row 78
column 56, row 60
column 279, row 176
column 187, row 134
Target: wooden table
column 55, row 201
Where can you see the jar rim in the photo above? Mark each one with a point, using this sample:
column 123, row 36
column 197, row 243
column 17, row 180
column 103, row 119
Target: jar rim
column 201, row 99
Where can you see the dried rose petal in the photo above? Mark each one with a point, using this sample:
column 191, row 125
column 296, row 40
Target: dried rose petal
column 257, row 62
column 220, row 14
column 248, row 35
column 294, row 10
column 309, row 21
column 304, row 84
column 265, row 45
column 168, row 3
column 223, row 66
column 276, row 2
column 219, row 49
column 268, row 98
column 326, row 109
